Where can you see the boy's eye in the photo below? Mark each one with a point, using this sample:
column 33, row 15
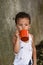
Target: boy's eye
column 20, row 24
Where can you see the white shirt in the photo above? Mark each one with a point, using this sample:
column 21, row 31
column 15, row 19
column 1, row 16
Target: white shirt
column 25, row 53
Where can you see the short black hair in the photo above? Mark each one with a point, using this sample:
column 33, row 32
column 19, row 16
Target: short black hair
column 22, row 15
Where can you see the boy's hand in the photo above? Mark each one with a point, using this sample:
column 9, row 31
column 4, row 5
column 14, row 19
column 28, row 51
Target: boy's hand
column 17, row 34
column 15, row 37
column 34, row 64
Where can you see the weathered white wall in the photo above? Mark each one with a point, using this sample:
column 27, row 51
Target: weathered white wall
column 8, row 10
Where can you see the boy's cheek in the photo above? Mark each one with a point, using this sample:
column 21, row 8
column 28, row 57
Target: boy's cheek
column 19, row 29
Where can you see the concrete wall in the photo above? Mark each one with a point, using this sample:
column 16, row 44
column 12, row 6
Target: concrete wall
column 8, row 10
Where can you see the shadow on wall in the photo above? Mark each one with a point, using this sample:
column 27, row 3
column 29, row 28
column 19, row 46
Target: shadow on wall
column 40, row 53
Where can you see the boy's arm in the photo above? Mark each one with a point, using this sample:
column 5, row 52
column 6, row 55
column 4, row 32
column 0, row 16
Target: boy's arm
column 15, row 42
column 34, row 53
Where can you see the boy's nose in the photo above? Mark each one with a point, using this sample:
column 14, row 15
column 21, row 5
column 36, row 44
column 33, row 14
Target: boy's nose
column 23, row 27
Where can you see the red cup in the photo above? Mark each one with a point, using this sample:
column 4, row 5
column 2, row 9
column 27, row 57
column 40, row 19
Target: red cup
column 24, row 35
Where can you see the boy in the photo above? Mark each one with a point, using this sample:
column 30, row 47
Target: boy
column 25, row 52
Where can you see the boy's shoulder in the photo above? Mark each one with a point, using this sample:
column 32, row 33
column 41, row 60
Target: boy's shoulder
column 31, row 35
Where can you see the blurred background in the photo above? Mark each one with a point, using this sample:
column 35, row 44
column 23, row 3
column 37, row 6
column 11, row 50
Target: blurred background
column 8, row 10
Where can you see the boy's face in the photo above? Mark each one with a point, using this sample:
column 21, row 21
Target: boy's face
column 23, row 23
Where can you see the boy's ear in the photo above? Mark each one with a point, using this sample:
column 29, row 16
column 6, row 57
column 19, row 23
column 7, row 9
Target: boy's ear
column 29, row 26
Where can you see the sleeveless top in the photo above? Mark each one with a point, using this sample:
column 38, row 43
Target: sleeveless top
column 25, row 53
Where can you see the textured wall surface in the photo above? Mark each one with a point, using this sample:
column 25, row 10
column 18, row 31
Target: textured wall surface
column 8, row 10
